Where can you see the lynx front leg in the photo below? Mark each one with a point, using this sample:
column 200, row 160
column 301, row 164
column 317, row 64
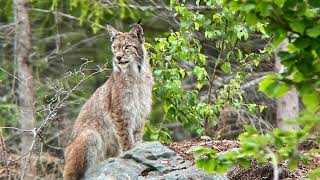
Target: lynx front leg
column 137, row 136
column 138, row 131
column 126, row 139
column 124, row 134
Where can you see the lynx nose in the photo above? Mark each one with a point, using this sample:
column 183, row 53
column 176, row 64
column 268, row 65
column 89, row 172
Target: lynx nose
column 118, row 57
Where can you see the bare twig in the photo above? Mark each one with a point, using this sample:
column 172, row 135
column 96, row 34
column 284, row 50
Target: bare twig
column 4, row 154
column 56, row 12
column 15, row 77
column 58, row 101
column 28, row 156
column 53, row 109
column 17, row 129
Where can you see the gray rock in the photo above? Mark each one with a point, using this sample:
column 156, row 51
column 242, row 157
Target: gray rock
column 148, row 161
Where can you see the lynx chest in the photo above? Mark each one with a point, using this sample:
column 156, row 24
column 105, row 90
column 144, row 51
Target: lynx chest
column 137, row 103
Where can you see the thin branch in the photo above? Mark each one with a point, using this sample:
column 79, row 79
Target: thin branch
column 275, row 164
column 182, row 112
column 56, row 102
column 56, row 12
column 17, row 129
column 252, row 83
column 25, row 167
column 11, row 25
column 4, row 154
column 212, row 78
column 152, row 7
column 15, row 77
column 49, row 146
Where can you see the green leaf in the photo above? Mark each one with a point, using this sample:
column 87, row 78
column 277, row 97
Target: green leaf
column 280, row 3
column 266, row 81
column 244, row 162
column 172, row 2
column 247, row 7
column 182, row 72
column 272, row 86
column 216, row 17
column 226, row 67
column 198, row 2
column 261, row 108
column 202, row 58
column 310, row 13
column 252, row 108
column 280, row 89
column 314, row 174
column 200, row 72
column 292, row 164
column 250, row 129
column 297, row 26
column 260, row 26
column 311, row 101
column 314, row 32
column 252, row 18
column 210, row 165
column 196, row 26
column 297, row 76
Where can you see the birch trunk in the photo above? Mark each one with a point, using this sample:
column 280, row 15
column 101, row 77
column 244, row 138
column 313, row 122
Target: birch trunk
column 24, row 69
column 288, row 104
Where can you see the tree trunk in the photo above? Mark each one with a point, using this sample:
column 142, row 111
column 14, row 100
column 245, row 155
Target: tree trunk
column 25, row 85
column 288, row 104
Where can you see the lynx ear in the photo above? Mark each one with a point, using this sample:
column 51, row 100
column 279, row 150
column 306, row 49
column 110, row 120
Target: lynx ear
column 112, row 32
column 138, row 31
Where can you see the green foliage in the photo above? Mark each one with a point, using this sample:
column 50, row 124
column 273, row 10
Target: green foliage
column 254, row 146
column 227, row 23
column 273, row 86
column 152, row 133
column 98, row 13
column 211, row 161
column 8, row 112
column 182, row 47
column 315, row 174
column 299, row 22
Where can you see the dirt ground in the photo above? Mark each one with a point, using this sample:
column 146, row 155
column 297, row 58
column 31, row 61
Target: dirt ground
column 50, row 167
column 256, row 171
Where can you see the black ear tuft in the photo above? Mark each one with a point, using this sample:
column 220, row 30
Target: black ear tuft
column 139, row 22
column 138, row 31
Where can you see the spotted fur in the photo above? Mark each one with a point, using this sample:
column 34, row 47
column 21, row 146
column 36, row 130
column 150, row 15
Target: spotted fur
column 112, row 120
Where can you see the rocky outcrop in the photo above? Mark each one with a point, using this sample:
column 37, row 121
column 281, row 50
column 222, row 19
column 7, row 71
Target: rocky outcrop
column 148, row 160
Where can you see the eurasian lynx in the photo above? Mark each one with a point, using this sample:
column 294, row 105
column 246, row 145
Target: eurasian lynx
column 112, row 120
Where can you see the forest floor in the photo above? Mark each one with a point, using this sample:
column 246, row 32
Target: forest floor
column 51, row 166
column 256, row 171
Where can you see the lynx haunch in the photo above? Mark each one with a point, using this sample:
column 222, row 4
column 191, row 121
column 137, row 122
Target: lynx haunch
column 112, row 120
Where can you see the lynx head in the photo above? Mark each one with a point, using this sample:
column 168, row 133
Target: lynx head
column 128, row 49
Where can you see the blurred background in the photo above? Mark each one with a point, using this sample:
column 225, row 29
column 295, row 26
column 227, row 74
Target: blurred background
column 70, row 57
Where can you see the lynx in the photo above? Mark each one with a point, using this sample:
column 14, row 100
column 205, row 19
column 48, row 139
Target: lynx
column 112, row 120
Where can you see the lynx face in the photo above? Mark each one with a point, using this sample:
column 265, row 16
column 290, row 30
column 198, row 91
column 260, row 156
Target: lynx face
column 128, row 50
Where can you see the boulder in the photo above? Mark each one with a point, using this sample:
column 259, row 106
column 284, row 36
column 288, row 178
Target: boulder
column 148, row 160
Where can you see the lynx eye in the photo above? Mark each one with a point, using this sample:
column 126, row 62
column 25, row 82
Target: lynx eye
column 113, row 47
column 128, row 46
